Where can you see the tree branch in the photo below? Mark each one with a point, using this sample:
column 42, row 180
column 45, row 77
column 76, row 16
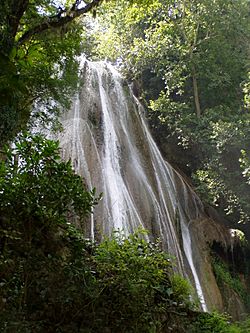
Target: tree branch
column 11, row 19
column 16, row 10
column 59, row 20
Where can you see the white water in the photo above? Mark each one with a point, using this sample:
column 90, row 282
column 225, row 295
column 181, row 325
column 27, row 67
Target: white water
column 110, row 145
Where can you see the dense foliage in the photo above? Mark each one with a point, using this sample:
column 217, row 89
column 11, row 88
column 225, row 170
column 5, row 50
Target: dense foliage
column 55, row 280
column 37, row 186
column 39, row 197
column 190, row 60
column 39, row 42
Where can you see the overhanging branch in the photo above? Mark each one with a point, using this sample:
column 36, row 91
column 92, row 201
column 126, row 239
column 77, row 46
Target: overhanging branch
column 59, row 20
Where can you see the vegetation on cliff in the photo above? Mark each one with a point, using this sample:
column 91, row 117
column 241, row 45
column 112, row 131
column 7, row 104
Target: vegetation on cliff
column 190, row 61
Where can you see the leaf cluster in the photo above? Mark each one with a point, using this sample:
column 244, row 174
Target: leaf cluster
column 173, row 49
column 217, row 323
column 137, row 280
column 38, row 186
column 69, row 284
column 52, row 279
column 38, row 60
column 75, row 285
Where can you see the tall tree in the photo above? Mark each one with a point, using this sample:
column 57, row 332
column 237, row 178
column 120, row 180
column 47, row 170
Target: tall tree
column 199, row 48
column 39, row 41
column 191, row 60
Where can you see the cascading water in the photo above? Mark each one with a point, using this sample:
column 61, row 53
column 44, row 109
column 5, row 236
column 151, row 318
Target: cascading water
column 108, row 141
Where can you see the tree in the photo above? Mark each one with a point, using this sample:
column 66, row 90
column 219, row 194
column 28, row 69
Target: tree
column 192, row 45
column 190, row 59
column 40, row 197
column 38, row 187
column 39, row 43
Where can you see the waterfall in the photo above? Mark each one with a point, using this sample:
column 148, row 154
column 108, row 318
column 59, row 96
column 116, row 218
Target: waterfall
column 110, row 146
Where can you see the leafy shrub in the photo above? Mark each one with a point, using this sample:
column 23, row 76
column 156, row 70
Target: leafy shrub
column 37, row 186
column 215, row 322
column 181, row 289
column 38, row 194
column 136, row 283
column 54, row 280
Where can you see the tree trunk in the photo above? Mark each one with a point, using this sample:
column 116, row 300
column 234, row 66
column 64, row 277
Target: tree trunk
column 196, row 93
column 14, row 11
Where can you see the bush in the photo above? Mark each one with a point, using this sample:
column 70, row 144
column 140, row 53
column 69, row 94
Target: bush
column 38, row 194
column 120, row 285
column 54, row 280
column 217, row 323
column 38, row 187
column 138, row 290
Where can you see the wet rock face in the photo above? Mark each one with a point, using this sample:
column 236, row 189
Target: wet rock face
column 110, row 146
column 233, row 303
column 208, row 237
column 204, row 231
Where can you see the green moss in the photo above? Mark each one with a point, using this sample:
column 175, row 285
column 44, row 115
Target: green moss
column 224, row 276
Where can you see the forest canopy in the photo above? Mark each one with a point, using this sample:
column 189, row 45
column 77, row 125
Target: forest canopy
column 190, row 60
column 38, row 65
